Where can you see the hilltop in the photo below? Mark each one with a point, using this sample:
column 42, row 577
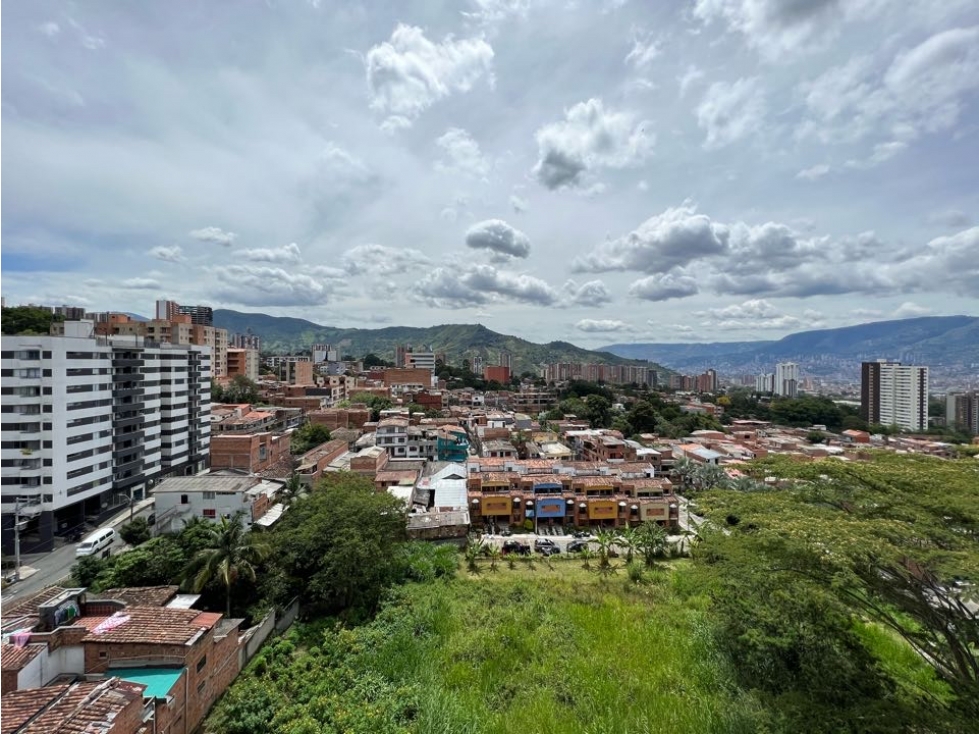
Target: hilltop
column 947, row 341
column 283, row 334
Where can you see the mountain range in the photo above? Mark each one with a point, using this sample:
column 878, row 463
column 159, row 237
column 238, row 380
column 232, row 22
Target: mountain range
column 950, row 343
column 282, row 334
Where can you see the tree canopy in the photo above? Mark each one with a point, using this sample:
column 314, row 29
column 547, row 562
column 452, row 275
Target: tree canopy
column 26, row 320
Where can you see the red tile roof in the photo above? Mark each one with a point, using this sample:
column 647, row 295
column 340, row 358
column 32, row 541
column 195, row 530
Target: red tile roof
column 79, row 708
column 15, row 658
column 150, row 625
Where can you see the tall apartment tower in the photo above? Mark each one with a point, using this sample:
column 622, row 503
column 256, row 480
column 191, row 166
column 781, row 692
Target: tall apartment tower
column 166, row 310
column 765, row 382
column 962, row 411
column 199, row 315
column 506, row 360
column 786, row 379
column 892, row 393
column 91, row 422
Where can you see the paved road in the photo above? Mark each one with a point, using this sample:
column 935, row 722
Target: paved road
column 53, row 566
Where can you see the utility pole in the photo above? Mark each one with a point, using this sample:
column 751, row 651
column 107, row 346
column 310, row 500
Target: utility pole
column 17, row 539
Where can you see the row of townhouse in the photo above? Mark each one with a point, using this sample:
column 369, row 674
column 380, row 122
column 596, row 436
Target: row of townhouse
column 122, row 661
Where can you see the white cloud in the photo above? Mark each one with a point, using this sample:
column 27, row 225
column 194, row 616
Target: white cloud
column 172, row 254
column 394, row 123
column 663, row 287
column 690, row 77
column 642, row 185
column 409, row 73
column 590, row 137
column 757, row 314
column 950, row 261
column 779, row 27
column 286, row 254
column 909, row 310
column 382, row 260
column 643, row 52
column 674, row 238
column 594, row 326
column 594, row 293
column 461, row 154
column 481, row 284
column 147, row 284
column 519, row 205
column 215, row 235
column 498, row 237
column 882, row 152
column 812, row 173
column 262, row 285
column 730, row 112
column 49, row 29
column 490, row 12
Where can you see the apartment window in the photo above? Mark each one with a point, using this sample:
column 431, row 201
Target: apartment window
column 209, row 495
column 184, row 500
column 210, row 513
column 201, row 663
column 28, row 373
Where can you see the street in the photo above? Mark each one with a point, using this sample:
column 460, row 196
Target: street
column 53, row 566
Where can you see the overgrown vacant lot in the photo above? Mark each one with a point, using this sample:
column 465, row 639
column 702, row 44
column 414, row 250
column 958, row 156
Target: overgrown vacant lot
column 517, row 650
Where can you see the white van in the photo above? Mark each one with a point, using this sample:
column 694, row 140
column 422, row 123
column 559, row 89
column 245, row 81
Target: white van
column 95, row 543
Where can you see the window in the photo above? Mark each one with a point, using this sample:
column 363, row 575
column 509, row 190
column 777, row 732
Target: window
column 210, row 513
column 184, row 500
column 209, row 495
column 201, row 663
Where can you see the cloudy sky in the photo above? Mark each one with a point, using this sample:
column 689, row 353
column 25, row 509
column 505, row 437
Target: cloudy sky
column 588, row 170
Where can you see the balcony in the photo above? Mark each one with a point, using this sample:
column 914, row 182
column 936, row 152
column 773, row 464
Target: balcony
column 128, row 377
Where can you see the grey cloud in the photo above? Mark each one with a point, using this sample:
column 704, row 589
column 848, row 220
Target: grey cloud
column 663, row 287
column 382, row 260
column 594, row 293
column 910, row 309
column 519, row 205
column 950, row 218
column 589, row 137
column 690, row 77
column 674, row 238
column 480, row 284
column 644, row 51
column 172, row 254
column 409, row 73
column 215, row 235
column 499, row 237
column 950, row 260
column 730, row 112
column 882, row 152
column 286, row 254
column 596, row 326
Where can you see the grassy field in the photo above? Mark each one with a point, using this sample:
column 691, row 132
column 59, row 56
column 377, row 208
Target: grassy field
column 515, row 650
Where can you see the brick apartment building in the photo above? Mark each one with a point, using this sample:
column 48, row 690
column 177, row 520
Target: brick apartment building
column 175, row 662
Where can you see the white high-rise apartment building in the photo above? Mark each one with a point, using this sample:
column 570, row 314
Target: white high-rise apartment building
column 89, row 422
column 786, row 379
column 892, row 393
column 765, row 382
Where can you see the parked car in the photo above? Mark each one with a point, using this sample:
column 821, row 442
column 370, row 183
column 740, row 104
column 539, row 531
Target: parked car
column 580, row 534
column 151, row 519
column 515, row 546
column 543, row 543
column 549, row 550
column 576, row 546
column 506, row 533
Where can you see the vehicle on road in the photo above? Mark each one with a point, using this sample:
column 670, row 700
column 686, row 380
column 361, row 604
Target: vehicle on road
column 543, row 543
column 581, row 534
column 515, row 546
column 576, row 546
column 96, row 543
column 548, row 550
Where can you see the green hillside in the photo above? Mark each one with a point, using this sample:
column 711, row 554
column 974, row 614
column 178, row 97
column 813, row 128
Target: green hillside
column 282, row 335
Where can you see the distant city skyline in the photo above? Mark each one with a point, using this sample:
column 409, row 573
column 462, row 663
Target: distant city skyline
column 595, row 172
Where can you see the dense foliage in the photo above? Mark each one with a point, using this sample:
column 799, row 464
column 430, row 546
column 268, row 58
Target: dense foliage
column 308, row 437
column 796, row 572
column 26, row 320
column 239, row 390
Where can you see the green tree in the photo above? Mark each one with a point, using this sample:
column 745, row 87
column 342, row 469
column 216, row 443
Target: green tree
column 336, row 546
column 232, row 555
column 598, row 411
column 308, row 437
column 239, row 390
column 651, row 542
column 136, row 531
column 26, row 320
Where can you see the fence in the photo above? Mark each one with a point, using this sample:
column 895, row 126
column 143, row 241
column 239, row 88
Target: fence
column 255, row 636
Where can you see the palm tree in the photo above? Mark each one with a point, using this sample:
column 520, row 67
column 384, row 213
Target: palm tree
column 474, row 548
column 292, row 489
column 586, row 556
column 627, row 540
column 231, row 554
column 494, row 556
column 709, row 476
column 605, row 540
column 684, row 468
column 652, row 542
